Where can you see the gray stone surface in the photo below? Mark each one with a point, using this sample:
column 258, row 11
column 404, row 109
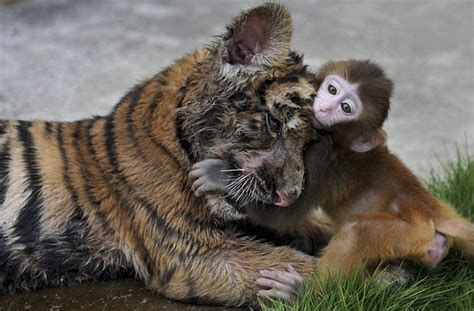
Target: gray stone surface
column 70, row 59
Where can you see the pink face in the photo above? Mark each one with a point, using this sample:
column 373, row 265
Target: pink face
column 337, row 102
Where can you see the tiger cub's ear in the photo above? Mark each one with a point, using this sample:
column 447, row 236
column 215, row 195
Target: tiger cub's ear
column 260, row 36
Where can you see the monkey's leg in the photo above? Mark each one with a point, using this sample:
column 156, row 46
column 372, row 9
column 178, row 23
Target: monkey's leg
column 460, row 229
column 226, row 275
column 374, row 239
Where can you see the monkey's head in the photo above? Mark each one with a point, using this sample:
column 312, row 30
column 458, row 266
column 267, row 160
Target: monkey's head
column 353, row 99
column 249, row 102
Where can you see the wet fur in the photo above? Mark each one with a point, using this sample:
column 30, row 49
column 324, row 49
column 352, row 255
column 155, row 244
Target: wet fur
column 108, row 196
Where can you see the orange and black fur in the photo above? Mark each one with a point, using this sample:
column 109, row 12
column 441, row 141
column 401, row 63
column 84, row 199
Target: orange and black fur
column 110, row 195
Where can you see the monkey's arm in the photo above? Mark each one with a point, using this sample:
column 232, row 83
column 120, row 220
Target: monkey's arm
column 210, row 175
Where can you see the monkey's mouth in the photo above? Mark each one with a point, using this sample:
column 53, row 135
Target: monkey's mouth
column 322, row 127
column 316, row 123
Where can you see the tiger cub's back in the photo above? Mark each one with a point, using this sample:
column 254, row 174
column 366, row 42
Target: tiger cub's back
column 51, row 231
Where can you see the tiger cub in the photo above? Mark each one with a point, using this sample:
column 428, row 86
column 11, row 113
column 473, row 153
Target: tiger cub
column 100, row 197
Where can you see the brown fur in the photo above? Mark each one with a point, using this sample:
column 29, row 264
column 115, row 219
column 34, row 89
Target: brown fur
column 101, row 197
column 380, row 209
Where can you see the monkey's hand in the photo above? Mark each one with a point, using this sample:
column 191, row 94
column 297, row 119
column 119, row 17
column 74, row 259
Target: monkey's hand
column 280, row 284
column 210, row 175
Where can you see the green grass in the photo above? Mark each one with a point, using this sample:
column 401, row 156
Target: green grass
column 448, row 287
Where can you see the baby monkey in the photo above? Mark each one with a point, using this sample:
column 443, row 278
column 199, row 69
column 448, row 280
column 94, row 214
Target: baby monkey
column 380, row 210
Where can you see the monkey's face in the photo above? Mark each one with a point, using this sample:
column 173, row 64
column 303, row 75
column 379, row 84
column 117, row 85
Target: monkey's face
column 353, row 98
column 337, row 102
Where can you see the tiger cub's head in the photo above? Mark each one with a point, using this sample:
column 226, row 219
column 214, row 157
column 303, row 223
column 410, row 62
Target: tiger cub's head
column 249, row 103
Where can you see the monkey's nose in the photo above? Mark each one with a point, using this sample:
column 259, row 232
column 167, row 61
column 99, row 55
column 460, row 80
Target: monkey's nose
column 285, row 199
column 323, row 109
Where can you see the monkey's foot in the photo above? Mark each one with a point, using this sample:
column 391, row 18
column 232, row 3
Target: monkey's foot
column 437, row 251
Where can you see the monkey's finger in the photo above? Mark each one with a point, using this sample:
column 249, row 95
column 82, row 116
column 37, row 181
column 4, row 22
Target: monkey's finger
column 295, row 275
column 272, row 284
column 197, row 184
column 281, row 277
column 290, row 269
column 207, row 163
column 198, row 193
column 272, row 293
column 195, row 173
column 206, row 187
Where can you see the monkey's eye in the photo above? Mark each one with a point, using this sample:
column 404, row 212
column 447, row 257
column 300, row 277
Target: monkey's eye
column 346, row 108
column 273, row 124
column 332, row 89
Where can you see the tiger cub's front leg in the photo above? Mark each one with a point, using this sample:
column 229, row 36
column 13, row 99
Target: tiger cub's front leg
column 227, row 275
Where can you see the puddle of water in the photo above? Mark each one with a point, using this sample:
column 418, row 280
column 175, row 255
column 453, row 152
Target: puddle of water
column 124, row 294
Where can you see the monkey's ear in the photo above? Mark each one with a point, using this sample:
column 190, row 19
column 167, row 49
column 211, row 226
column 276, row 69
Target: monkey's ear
column 259, row 36
column 369, row 141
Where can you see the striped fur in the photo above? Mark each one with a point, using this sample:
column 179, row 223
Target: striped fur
column 109, row 196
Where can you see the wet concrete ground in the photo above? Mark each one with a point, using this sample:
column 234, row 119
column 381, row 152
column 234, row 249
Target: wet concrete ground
column 70, row 59
column 127, row 295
